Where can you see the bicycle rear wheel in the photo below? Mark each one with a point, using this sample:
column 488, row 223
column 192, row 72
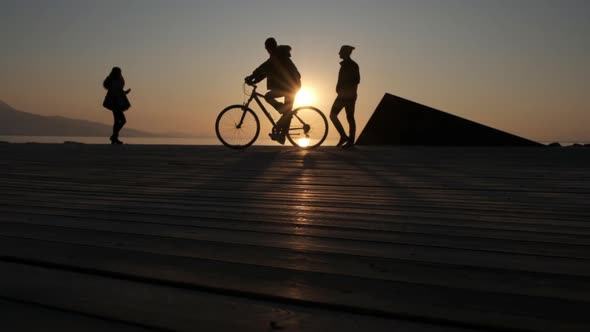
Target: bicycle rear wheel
column 237, row 127
column 309, row 127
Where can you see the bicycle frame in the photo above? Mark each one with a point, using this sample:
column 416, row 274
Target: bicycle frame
column 256, row 96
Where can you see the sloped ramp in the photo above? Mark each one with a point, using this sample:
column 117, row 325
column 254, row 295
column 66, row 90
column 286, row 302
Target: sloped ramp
column 398, row 121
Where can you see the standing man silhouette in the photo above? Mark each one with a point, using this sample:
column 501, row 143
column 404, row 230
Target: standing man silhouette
column 282, row 80
column 348, row 80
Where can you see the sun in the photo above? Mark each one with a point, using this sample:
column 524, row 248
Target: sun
column 303, row 142
column 304, row 97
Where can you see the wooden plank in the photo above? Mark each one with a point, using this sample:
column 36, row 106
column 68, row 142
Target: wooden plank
column 446, row 275
column 529, row 233
column 26, row 317
column 352, row 295
column 344, row 202
column 313, row 196
column 295, row 179
column 319, row 238
column 326, row 160
column 392, row 231
column 171, row 307
column 304, row 212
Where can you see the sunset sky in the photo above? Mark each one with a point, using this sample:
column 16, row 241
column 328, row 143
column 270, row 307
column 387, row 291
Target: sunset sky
column 522, row 66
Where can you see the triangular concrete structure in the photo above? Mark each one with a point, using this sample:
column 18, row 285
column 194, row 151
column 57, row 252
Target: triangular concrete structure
column 398, row 121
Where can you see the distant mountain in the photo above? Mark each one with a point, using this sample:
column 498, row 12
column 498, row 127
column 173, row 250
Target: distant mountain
column 18, row 123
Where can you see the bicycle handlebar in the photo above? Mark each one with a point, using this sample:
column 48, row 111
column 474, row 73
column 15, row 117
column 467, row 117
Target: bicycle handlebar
column 251, row 84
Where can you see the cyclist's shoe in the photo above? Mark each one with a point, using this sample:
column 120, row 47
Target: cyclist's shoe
column 349, row 144
column 342, row 140
column 279, row 137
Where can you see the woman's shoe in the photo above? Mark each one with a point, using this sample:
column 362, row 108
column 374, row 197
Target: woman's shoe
column 115, row 140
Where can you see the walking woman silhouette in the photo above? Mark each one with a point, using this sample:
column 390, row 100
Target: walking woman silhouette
column 116, row 101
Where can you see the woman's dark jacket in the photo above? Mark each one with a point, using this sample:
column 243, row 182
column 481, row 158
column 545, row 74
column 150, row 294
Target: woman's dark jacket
column 116, row 99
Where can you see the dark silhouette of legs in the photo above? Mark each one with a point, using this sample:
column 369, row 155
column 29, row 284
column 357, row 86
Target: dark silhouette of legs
column 282, row 126
column 271, row 98
column 336, row 108
column 289, row 101
column 285, row 119
column 119, row 122
column 349, row 106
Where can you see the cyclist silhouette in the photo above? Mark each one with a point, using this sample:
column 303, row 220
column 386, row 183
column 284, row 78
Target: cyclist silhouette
column 282, row 80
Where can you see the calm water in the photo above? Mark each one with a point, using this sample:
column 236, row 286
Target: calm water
column 157, row 140
column 105, row 140
column 132, row 140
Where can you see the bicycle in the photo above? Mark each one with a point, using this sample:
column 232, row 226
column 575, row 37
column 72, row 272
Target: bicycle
column 238, row 127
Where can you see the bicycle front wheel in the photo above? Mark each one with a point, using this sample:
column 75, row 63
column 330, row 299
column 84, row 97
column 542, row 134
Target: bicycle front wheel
column 309, row 127
column 237, row 127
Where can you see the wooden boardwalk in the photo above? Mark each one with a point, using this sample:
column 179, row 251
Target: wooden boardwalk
column 181, row 238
